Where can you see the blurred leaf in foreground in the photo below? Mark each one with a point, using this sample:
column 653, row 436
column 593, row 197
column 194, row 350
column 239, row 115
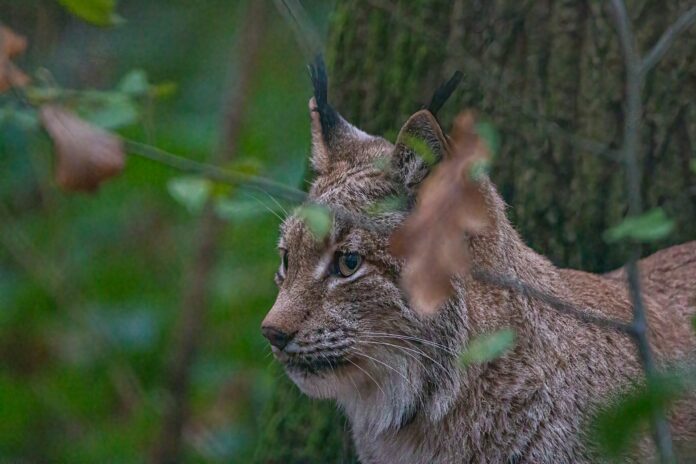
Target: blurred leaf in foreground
column 490, row 135
column 191, row 191
column 97, row 12
column 488, row 347
column 11, row 45
column 317, row 218
column 450, row 206
column 86, row 155
column 240, row 210
column 616, row 427
column 649, row 226
column 110, row 111
column 692, row 165
column 134, row 83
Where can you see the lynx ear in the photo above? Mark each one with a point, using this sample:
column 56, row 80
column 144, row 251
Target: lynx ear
column 419, row 146
column 331, row 134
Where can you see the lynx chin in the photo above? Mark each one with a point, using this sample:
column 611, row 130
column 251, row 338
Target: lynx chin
column 344, row 330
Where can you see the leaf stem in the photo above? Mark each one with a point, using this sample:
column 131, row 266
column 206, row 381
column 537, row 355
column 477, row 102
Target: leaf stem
column 212, row 172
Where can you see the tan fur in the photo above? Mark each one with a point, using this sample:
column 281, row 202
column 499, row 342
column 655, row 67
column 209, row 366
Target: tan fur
column 395, row 373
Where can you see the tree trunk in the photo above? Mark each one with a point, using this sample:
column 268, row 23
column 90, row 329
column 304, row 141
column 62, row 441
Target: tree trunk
column 548, row 75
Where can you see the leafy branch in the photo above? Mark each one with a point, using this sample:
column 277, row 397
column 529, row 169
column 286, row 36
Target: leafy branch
column 636, row 68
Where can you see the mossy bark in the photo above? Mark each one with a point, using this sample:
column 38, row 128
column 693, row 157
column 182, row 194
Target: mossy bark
column 549, row 76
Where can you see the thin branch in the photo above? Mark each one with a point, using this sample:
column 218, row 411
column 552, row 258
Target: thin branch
column 212, row 172
column 631, row 145
column 663, row 45
column 562, row 306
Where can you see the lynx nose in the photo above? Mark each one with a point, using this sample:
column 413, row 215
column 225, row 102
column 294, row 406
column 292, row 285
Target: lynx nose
column 277, row 337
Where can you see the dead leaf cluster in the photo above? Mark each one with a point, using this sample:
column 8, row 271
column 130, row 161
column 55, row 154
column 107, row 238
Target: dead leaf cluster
column 85, row 155
column 11, row 45
column 450, row 207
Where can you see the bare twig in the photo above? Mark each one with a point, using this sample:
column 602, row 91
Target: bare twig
column 305, row 33
column 188, row 332
column 213, row 172
column 554, row 302
column 631, row 143
column 659, row 50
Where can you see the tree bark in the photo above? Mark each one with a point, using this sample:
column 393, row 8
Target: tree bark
column 548, row 75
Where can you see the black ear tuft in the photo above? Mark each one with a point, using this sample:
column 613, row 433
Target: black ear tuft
column 443, row 92
column 328, row 117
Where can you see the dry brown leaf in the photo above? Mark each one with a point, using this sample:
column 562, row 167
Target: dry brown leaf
column 450, row 207
column 86, row 155
column 11, row 44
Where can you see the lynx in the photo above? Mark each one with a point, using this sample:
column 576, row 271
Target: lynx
column 343, row 328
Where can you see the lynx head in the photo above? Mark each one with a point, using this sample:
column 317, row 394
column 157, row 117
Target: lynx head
column 341, row 325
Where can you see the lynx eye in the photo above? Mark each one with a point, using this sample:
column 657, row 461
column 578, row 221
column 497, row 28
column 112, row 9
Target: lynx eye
column 346, row 264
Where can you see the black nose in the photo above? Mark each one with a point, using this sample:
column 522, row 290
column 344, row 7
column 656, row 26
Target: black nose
column 278, row 338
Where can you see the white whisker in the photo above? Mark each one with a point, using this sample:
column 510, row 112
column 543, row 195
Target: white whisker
column 360, row 353
column 368, row 374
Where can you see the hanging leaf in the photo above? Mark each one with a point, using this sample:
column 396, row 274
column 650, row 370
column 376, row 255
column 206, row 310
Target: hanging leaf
column 649, row 226
column 450, row 206
column 490, row 135
column 134, row 83
column 421, row 148
column 192, row 192
column 86, row 155
column 317, row 218
column 488, row 347
column 111, row 111
column 97, row 12
column 241, row 210
column 617, row 427
column 11, row 45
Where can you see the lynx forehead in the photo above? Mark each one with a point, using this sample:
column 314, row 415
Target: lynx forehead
column 343, row 329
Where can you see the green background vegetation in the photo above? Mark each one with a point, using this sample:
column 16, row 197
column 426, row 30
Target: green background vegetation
column 90, row 285
column 113, row 263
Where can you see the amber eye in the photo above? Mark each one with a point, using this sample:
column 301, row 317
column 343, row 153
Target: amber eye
column 347, row 263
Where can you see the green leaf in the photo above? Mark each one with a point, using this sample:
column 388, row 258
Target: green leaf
column 191, row 192
column 386, row 205
column 317, row 218
column 649, row 226
column 241, row 210
column 97, row 12
column 421, row 148
column 134, row 83
column 616, row 427
column 692, row 165
column 490, row 135
column 110, row 111
column 693, row 323
column 163, row 89
column 479, row 169
column 488, row 347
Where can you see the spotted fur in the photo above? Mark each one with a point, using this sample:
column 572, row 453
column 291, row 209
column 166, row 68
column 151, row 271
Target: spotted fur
column 396, row 373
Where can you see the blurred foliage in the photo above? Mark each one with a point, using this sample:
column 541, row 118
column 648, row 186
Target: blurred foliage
column 90, row 285
column 647, row 227
column 616, row 428
column 488, row 347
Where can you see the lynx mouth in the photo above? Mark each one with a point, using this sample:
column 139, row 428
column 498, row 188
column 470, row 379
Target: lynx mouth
column 325, row 364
